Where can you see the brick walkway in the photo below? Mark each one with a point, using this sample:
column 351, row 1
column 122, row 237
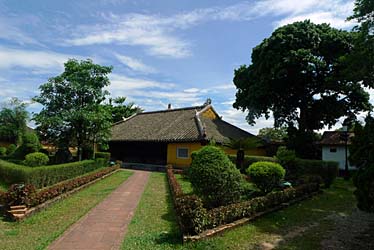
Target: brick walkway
column 105, row 225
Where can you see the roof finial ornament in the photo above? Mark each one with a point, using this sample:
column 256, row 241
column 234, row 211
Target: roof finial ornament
column 208, row 102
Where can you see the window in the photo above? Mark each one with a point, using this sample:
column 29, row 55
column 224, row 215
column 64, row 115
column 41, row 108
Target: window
column 333, row 150
column 182, row 153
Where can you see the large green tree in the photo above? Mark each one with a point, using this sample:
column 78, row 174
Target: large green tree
column 360, row 63
column 73, row 113
column 274, row 134
column 13, row 117
column 295, row 74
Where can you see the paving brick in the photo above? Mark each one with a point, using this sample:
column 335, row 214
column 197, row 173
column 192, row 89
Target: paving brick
column 104, row 226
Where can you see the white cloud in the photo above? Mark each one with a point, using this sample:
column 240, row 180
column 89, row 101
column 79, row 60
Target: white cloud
column 122, row 83
column 32, row 59
column 134, row 64
column 158, row 33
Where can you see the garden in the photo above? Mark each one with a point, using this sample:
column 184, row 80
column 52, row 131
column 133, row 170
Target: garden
column 215, row 195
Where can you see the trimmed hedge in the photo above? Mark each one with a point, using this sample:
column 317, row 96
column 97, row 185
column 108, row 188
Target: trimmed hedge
column 44, row 176
column 328, row 170
column 249, row 159
column 27, row 195
column 266, row 175
column 104, row 155
column 36, row 159
column 193, row 218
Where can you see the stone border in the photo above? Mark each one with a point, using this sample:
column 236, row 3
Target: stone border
column 221, row 229
column 52, row 201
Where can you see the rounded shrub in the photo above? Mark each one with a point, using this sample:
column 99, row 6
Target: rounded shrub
column 266, row 175
column 36, row 159
column 214, row 177
column 30, row 144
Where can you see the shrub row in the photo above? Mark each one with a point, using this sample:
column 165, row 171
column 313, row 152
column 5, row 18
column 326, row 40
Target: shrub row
column 43, row 176
column 328, row 170
column 249, row 159
column 27, row 194
column 105, row 155
column 194, row 217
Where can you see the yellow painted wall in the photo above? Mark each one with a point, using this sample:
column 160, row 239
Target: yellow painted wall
column 172, row 153
column 209, row 113
column 173, row 160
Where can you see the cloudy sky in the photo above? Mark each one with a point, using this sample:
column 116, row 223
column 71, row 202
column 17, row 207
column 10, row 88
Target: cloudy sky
column 179, row 52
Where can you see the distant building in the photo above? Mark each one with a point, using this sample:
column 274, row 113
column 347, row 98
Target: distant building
column 170, row 136
column 333, row 147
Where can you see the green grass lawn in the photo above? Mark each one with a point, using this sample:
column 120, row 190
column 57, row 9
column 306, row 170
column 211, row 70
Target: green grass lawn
column 38, row 231
column 154, row 225
column 185, row 183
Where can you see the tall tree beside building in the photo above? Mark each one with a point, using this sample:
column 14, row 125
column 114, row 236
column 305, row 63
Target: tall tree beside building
column 73, row 113
column 295, row 75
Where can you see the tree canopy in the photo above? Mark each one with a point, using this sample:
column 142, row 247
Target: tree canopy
column 73, row 113
column 275, row 134
column 13, row 118
column 295, row 74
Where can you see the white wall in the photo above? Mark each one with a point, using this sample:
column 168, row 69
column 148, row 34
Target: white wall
column 338, row 156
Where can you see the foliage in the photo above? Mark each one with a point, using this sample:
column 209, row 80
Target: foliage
column 72, row 112
column 193, row 218
column 214, row 177
column 362, row 156
column 360, row 63
column 362, row 148
column 13, row 118
column 2, row 151
column 43, row 228
column 273, row 134
column 36, row 159
column 241, row 145
column 66, row 186
column 20, row 194
column 285, row 156
column 62, row 155
column 249, row 159
column 306, row 60
column 121, row 110
column 30, row 144
column 192, row 214
column 105, row 155
column 10, row 149
column 266, row 175
column 328, row 170
column 364, row 182
column 303, row 143
column 46, row 175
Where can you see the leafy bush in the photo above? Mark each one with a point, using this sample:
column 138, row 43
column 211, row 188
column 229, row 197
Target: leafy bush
column 63, row 155
column 2, row 151
column 105, row 155
column 287, row 159
column 36, row 159
column 191, row 213
column 20, row 194
column 30, row 144
column 10, row 149
column 328, row 170
column 102, row 162
column 249, row 159
column 364, row 182
column 27, row 195
column 214, row 177
column 266, row 175
column 46, row 175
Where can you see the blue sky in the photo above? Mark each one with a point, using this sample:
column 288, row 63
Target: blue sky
column 179, row 52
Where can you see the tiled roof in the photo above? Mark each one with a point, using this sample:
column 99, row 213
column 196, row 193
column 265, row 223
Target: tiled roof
column 333, row 138
column 175, row 125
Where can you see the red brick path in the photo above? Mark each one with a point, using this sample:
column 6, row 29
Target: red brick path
column 105, row 225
